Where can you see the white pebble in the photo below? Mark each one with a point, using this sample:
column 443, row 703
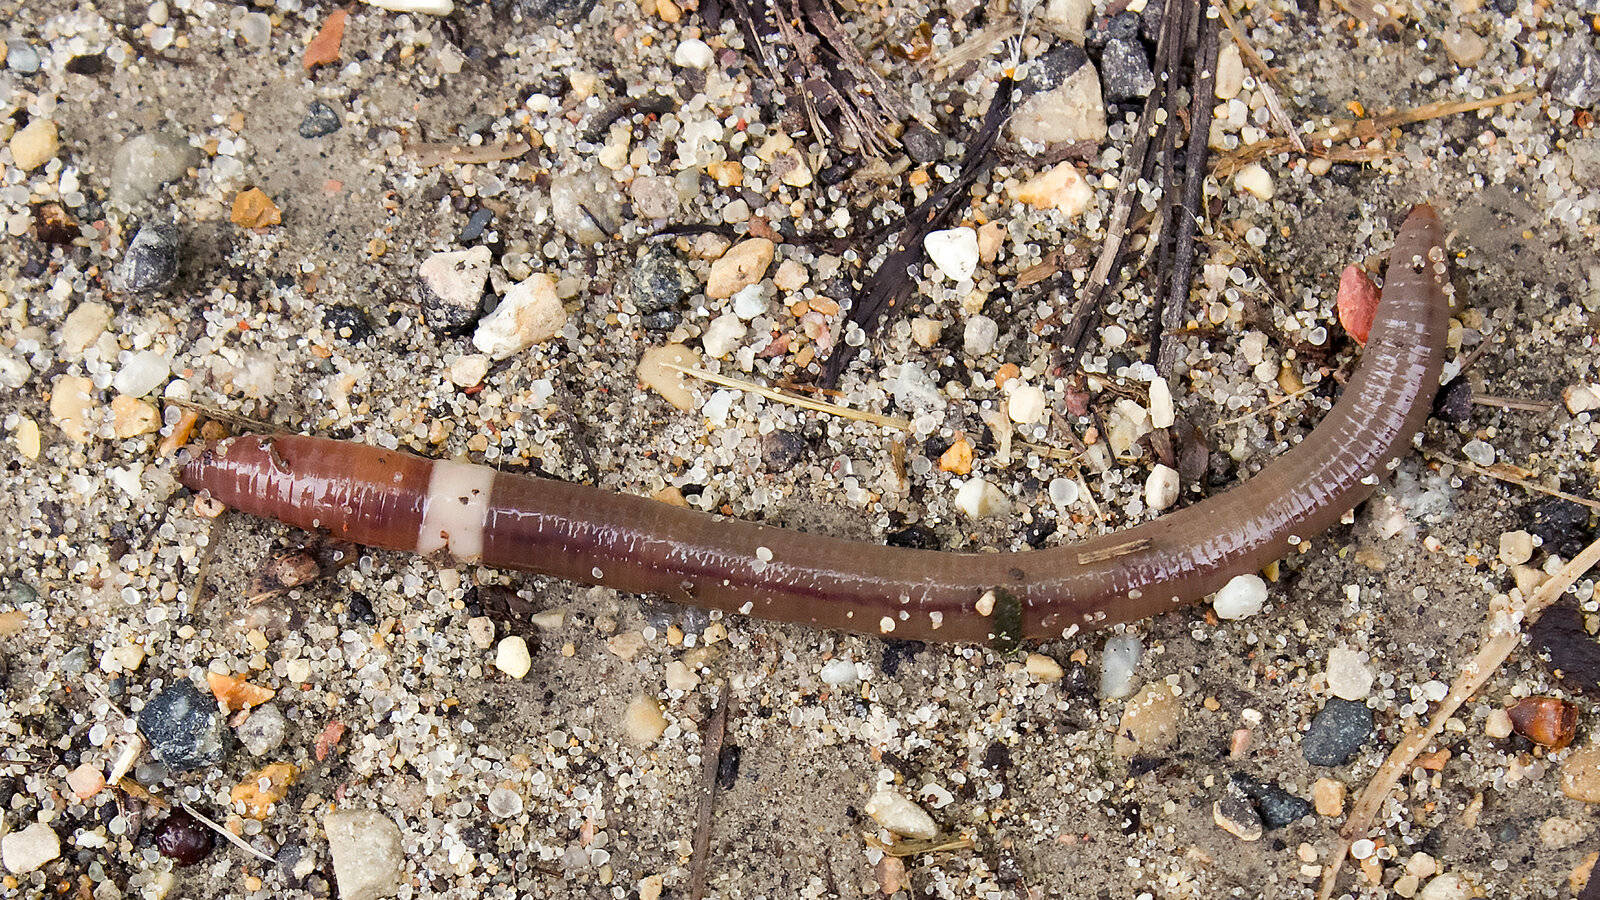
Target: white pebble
column 26, row 850
column 894, row 811
column 426, row 7
column 1516, row 547
column 751, row 302
column 1478, row 452
column 1118, row 660
column 954, row 251
column 1063, row 491
column 1240, row 598
column 505, row 803
column 980, row 499
column 723, row 335
column 530, row 313
column 1026, row 405
column 978, row 338
column 1254, row 180
column 1348, row 677
column 642, row 721
column 142, row 373
column 694, row 54
column 839, row 672
column 1161, row 488
column 1162, row 414
column 511, row 656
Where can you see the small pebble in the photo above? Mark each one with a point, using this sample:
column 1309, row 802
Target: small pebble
column 142, row 372
column 480, row 629
column 1278, row 807
column 586, row 205
column 1118, row 661
column 1160, row 492
column 1243, row 596
column 21, row 57
column 654, row 196
column 426, row 7
column 1478, row 453
column 926, row 332
column 1149, row 722
column 1547, row 721
column 530, row 313
column 839, row 673
column 1162, row 414
column 1125, row 71
column 184, row 727
column 743, row 265
column 723, row 335
column 1327, row 794
column 1230, row 71
column 1061, row 188
column 1581, row 397
column 1027, row 404
column 1497, row 724
column 1580, row 774
column 1071, row 110
column 72, row 401
column 85, row 781
column 954, row 251
column 1236, row 815
column 654, row 374
column 1357, row 302
column 469, row 370
column 1336, row 733
column 369, row 862
column 1516, row 547
column 144, row 163
column 511, row 656
column 182, row 839
column 83, row 326
column 504, row 803
column 979, row 335
column 151, row 261
column 980, row 499
column 895, row 811
column 643, row 721
column 263, row 732
column 694, row 53
column 1043, row 669
column 1448, row 886
column 1574, row 69
column 1254, row 180
column 321, row 120
column 29, row 848
column 35, row 145
column 451, row 288
column 1348, row 677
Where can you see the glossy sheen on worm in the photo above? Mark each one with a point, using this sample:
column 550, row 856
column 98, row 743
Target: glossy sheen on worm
column 394, row 500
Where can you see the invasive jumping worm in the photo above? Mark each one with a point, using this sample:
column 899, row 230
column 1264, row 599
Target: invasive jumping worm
column 394, row 500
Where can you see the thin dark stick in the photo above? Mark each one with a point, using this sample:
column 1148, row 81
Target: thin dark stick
column 1171, row 137
column 1202, row 87
column 1133, row 169
column 716, row 731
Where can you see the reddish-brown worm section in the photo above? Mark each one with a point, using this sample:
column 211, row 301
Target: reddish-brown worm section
column 394, row 500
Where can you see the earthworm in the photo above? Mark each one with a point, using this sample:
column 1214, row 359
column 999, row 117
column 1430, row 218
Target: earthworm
column 395, row 500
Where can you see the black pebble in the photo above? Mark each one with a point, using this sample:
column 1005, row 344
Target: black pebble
column 922, row 144
column 543, row 11
column 896, row 654
column 660, row 281
column 728, row 759
column 476, row 223
column 151, row 262
column 347, row 323
column 361, row 609
column 917, row 537
column 1337, row 733
column 184, row 727
column 92, row 64
column 1125, row 71
column 321, row 120
column 1277, row 806
column 1562, row 525
column 837, row 172
column 1048, row 70
column 1038, row 533
column 182, row 839
column 782, row 450
column 1566, row 646
column 665, row 320
column 1454, row 403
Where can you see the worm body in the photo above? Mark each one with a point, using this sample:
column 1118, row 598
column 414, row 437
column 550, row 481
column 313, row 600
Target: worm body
column 394, row 500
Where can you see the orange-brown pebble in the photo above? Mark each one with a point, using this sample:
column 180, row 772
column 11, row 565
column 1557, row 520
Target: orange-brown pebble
column 254, row 209
column 958, row 459
column 1004, row 374
column 324, row 48
column 261, row 789
column 236, row 693
column 1547, row 721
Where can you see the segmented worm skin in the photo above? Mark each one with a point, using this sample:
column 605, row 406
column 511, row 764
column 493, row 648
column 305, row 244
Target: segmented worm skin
column 391, row 499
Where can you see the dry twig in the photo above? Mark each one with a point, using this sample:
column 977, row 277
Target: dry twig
column 716, row 731
column 792, row 399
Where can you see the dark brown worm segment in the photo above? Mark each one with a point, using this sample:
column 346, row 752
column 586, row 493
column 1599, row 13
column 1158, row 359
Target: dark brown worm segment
column 394, row 500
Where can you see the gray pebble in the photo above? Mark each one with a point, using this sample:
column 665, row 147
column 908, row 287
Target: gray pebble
column 1575, row 72
column 586, row 205
column 1118, row 661
column 660, row 280
column 21, row 57
column 543, row 11
column 263, row 732
column 184, row 727
column 1337, row 733
column 321, row 120
column 151, row 262
column 144, row 163
column 1048, row 70
column 1277, row 806
column 1125, row 71
column 922, row 144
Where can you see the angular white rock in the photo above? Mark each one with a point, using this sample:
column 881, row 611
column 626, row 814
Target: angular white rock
column 530, row 313
column 511, row 656
column 1254, row 180
column 26, row 850
column 1161, row 488
column 368, row 862
column 1162, row 414
column 141, row 373
column 895, row 811
column 1026, row 404
column 1240, row 598
column 954, row 251
column 1348, row 677
column 979, row 499
column 723, row 335
column 426, row 7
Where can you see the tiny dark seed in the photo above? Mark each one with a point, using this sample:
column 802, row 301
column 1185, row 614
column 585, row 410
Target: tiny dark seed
column 182, row 839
